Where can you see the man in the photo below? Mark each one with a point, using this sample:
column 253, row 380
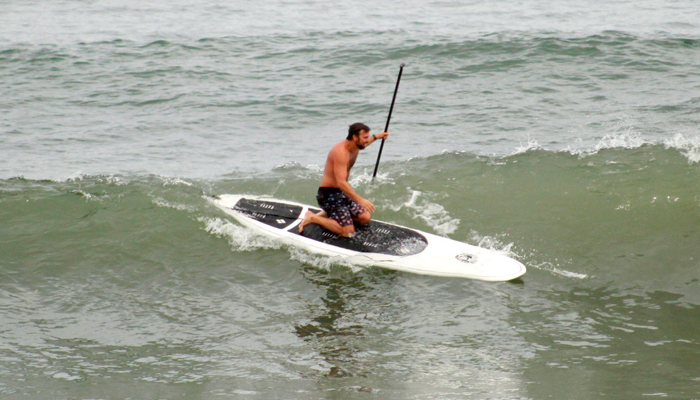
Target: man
column 340, row 203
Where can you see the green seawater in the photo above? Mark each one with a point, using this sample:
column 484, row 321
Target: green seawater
column 563, row 134
column 137, row 287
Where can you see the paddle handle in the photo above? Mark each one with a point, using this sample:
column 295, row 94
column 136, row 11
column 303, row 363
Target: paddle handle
column 386, row 128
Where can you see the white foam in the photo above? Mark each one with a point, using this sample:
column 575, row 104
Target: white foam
column 625, row 140
column 492, row 243
column 323, row 262
column 160, row 202
column 168, row 181
column 240, row 238
column 66, row 376
column 495, row 244
column 289, row 165
column 568, row 274
column 689, row 147
column 114, row 180
column 245, row 239
column 530, row 145
column 79, row 177
column 314, row 168
column 431, row 213
column 75, row 177
column 367, row 182
column 551, row 267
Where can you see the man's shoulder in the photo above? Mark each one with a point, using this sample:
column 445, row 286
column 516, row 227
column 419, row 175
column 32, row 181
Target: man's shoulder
column 339, row 150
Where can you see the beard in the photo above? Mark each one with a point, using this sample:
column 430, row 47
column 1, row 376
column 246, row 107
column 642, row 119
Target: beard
column 360, row 145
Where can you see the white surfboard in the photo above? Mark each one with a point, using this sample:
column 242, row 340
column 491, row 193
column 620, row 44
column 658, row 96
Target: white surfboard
column 378, row 244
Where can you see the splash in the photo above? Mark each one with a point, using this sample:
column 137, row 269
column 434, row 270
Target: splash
column 239, row 237
column 324, row 262
column 242, row 238
column 497, row 245
column 530, row 145
column 432, row 214
column 88, row 196
column 79, row 177
column 554, row 269
column 689, row 147
column 291, row 165
column 168, row 181
column 161, row 202
column 492, row 243
column 366, row 182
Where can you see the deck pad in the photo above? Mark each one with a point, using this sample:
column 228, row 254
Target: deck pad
column 278, row 215
column 376, row 237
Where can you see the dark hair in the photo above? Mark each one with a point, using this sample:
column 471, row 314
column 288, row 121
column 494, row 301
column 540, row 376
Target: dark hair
column 356, row 128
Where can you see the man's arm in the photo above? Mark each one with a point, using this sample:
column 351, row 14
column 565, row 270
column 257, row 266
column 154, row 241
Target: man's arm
column 379, row 136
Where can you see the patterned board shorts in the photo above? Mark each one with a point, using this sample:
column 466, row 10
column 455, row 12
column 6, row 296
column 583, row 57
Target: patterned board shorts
column 338, row 206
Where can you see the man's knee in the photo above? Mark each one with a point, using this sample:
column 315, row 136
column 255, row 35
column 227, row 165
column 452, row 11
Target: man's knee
column 364, row 218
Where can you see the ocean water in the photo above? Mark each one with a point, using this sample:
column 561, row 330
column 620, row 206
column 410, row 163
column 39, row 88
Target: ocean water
column 564, row 134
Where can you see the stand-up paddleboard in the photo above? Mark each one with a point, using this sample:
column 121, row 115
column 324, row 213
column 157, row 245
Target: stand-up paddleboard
column 377, row 244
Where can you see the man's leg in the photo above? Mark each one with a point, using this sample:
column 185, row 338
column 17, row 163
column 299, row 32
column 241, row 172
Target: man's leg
column 337, row 215
column 328, row 223
column 358, row 213
column 363, row 218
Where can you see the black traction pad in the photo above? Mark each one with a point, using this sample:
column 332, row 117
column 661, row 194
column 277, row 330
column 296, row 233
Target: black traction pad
column 278, row 215
column 376, row 237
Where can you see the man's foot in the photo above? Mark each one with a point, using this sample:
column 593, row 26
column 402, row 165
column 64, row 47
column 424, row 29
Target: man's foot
column 306, row 221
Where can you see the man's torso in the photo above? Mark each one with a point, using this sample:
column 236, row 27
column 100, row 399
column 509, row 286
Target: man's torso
column 338, row 151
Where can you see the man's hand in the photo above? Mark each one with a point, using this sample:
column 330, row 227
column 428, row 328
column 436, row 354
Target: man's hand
column 382, row 135
column 367, row 205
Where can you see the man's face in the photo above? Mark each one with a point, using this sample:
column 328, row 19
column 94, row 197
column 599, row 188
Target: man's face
column 362, row 140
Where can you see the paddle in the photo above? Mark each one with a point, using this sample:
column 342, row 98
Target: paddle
column 376, row 167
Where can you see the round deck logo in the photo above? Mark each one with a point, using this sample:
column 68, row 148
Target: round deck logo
column 466, row 257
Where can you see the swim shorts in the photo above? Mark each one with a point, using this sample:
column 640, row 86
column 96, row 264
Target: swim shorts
column 338, row 206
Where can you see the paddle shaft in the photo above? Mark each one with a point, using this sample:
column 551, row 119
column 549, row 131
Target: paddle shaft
column 386, row 128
